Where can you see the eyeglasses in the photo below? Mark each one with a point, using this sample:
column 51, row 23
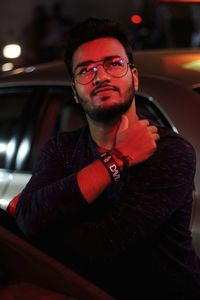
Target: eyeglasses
column 115, row 66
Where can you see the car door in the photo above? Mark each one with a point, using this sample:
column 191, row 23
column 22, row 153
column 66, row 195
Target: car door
column 18, row 107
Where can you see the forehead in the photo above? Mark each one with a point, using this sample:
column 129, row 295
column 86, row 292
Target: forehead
column 98, row 49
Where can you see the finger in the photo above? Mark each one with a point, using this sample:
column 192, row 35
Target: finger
column 156, row 136
column 152, row 129
column 144, row 123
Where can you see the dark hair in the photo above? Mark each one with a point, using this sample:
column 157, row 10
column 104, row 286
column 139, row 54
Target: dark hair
column 91, row 29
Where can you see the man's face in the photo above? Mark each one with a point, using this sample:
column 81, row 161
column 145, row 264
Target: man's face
column 105, row 97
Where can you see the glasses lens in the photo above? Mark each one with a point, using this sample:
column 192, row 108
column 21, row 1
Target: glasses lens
column 85, row 74
column 116, row 66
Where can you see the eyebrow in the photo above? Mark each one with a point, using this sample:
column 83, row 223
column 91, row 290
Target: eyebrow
column 88, row 62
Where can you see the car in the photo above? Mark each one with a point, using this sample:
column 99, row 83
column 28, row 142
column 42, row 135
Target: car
column 29, row 273
column 37, row 102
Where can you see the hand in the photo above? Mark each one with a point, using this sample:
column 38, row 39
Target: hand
column 138, row 141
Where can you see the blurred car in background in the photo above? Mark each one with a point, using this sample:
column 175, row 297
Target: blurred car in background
column 37, row 102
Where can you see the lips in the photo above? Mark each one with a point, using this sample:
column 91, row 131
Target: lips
column 103, row 89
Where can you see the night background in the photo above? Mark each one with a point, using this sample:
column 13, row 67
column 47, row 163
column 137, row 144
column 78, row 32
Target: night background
column 40, row 26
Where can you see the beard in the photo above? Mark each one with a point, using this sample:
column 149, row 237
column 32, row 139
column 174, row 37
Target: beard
column 102, row 114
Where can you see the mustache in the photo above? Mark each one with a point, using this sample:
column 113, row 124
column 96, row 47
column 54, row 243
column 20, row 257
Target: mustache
column 102, row 87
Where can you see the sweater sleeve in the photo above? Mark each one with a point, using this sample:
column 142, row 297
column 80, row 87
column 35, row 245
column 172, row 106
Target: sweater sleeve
column 52, row 192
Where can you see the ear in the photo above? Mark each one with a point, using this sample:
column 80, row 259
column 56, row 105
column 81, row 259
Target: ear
column 135, row 77
column 75, row 93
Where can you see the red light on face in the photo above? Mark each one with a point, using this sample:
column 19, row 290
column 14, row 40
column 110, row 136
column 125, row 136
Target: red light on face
column 136, row 19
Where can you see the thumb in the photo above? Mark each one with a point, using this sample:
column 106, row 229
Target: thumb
column 123, row 124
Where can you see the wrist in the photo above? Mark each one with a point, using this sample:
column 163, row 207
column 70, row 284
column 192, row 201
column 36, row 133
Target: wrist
column 126, row 160
column 117, row 159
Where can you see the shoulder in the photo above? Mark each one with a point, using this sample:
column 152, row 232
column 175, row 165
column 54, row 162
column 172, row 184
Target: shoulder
column 62, row 146
column 67, row 139
column 174, row 158
column 174, row 143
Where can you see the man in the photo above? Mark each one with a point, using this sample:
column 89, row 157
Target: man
column 113, row 200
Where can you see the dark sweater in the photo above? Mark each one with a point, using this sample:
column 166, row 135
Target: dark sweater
column 134, row 240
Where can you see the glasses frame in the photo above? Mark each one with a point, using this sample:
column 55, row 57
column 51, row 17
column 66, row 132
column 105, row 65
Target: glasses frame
column 103, row 61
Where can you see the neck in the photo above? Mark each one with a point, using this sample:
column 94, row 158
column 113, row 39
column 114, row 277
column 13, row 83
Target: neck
column 104, row 134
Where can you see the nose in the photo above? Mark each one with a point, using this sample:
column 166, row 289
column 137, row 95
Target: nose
column 101, row 75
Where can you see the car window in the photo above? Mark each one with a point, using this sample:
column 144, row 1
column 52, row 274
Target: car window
column 12, row 105
column 59, row 112
column 149, row 109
